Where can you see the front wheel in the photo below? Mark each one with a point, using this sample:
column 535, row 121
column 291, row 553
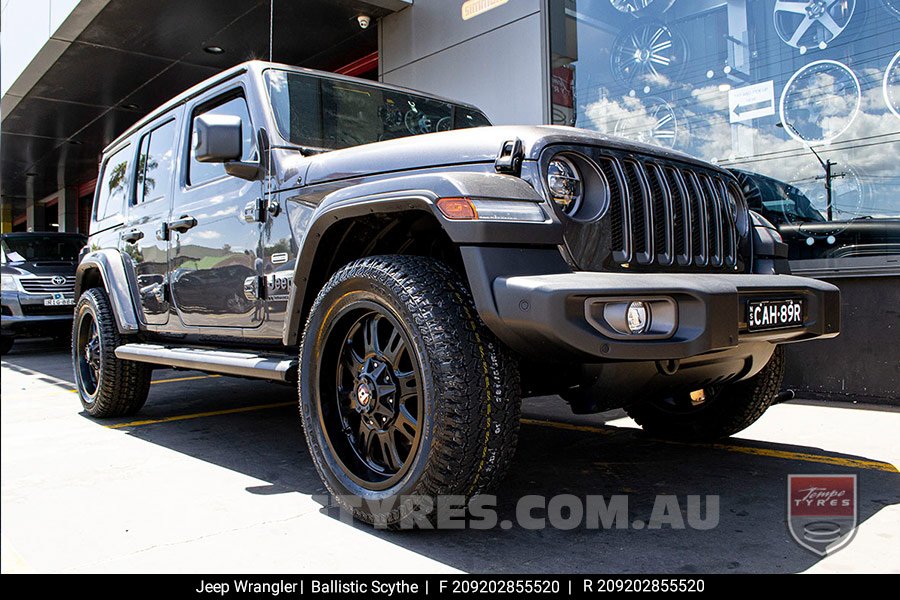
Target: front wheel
column 6, row 344
column 714, row 412
column 404, row 393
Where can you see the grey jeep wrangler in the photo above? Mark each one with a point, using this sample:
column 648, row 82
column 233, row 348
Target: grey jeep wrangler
column 415, row 272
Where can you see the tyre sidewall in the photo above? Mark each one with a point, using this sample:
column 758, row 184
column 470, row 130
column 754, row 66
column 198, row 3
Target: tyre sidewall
column 87, row 305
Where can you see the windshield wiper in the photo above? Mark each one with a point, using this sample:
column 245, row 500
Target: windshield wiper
column 304, row 150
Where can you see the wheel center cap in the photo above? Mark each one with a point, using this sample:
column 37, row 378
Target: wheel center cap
column 364, row 395
column 816, row 9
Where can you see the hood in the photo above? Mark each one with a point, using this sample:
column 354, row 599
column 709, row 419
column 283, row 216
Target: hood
column 462, row 146
column 40, row 268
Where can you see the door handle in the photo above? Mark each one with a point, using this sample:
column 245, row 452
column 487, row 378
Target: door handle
column 132, row 235
column 182, row 223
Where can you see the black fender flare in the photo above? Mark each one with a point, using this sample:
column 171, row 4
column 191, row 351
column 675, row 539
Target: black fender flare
column 108, row 263
column 417, row 192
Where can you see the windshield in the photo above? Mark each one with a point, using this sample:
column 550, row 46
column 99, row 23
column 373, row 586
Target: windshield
column 331, row 114
column 36, row 247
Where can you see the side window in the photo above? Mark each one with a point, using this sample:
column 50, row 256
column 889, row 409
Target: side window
column 156, row 163
column 114, row 186
column 200, row 172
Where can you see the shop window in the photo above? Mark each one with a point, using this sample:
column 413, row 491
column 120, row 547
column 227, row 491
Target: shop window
column 799, row 99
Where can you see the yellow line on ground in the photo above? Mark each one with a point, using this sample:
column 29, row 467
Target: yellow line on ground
column 191, row 378
column 175, row 379
column 212, row 413
column 851, row 463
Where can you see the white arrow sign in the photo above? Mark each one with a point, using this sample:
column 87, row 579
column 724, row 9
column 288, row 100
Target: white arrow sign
column 751, row 101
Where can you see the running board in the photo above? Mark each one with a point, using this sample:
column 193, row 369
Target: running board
column 278, row 367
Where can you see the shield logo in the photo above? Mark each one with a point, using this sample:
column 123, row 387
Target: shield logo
column 58, row 280
column 822, row 511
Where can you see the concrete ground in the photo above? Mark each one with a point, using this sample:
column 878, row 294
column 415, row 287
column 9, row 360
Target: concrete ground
column 213, row 476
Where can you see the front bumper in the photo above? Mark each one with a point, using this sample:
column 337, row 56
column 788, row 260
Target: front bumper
column 26, row 315
column 545, row 315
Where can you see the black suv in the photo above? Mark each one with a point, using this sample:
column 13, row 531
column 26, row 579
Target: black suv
column 416, row 272
column 38, row 284
column 807, row 232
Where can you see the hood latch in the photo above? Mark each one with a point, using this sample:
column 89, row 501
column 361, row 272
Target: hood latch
column 509, row 161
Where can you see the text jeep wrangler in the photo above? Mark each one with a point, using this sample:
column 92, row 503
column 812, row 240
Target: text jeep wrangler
column 416, row 271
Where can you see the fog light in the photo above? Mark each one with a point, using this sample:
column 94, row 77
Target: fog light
column 638, row 317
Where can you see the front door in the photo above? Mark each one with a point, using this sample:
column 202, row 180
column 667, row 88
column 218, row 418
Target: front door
column 213, row 251
column 143, row 238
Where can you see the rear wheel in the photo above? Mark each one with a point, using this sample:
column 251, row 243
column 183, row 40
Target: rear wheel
column 713, row 412
column 404, row 393
column 107, row 386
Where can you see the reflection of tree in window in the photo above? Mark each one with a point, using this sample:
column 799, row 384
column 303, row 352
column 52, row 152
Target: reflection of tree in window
column 146, row 164
column 117, row 177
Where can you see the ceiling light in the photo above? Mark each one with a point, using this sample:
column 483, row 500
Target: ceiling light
column 214, row 49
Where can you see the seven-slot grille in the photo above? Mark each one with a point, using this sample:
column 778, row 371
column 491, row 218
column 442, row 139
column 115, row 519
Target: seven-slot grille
column 48, row 285
column 670, row 215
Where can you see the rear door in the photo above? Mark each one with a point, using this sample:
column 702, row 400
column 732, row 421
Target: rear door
column 143, row 237
column 214, row 253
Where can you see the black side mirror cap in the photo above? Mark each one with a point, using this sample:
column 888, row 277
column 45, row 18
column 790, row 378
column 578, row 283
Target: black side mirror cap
column 251, row 171
column 217, row 138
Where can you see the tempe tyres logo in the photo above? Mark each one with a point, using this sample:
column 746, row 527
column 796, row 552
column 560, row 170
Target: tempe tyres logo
column 822, row 511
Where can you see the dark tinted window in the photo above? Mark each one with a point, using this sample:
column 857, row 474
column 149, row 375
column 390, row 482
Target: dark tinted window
column 114, row 185
column 156, row 163
column 36, row 247
column 200, row 172
column 332, row 114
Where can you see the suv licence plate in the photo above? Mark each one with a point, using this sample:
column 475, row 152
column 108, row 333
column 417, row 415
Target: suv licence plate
column 59, row 300
column 774, row 314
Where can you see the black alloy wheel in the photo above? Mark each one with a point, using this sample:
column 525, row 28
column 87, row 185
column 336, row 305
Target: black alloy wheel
column 371, row 376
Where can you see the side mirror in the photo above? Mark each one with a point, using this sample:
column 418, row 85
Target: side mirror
column 217, row 138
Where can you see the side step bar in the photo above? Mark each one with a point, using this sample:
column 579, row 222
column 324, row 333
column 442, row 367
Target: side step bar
column 278, row 367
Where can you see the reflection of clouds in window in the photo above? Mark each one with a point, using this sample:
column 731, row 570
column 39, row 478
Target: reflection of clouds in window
column 840, row 98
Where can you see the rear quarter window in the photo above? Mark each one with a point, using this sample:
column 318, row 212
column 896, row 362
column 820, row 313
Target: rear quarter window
column 114, row 185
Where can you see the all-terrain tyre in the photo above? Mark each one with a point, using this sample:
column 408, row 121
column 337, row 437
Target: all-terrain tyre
column 723, row 411
column 405, row 395
column 107, row 386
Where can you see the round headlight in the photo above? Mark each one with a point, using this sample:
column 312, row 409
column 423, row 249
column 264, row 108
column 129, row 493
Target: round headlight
column 638, row 317
column 565, row 184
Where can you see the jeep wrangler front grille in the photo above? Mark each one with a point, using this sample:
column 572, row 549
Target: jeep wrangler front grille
column 670, row 215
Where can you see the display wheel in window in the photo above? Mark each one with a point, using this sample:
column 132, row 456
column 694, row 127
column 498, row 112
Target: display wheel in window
column 820, row 101
column 891, row 86
column 806, row 24
column 641, row 7
column 649, row 54
column 893, row 6
column 657, row 124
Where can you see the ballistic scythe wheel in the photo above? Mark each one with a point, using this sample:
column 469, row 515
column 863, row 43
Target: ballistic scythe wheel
column 404, row 393
column 107, row 386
